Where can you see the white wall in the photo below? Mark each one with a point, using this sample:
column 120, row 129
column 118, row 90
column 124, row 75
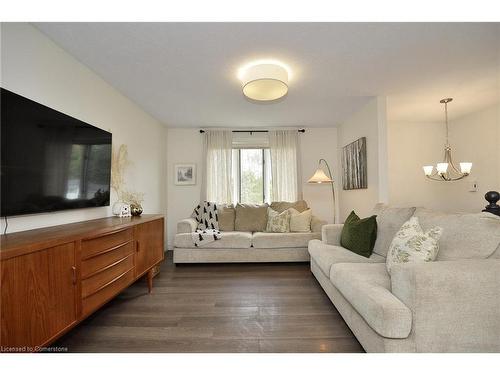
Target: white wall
column 369, row 122
column 185, row 146
column 474, row 138
column 317, row 143
column 33, row 66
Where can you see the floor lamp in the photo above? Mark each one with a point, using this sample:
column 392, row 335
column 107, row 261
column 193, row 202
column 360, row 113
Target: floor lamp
column 319, row 177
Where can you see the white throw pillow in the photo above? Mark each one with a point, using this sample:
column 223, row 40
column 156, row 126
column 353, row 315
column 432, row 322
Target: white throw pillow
column 300, row 221
column 412, row 244
column 278, row 222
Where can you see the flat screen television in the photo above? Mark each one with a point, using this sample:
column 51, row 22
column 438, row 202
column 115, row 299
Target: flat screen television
column 50, row 161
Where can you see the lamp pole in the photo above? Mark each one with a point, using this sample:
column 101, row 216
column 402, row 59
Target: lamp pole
column 332, row 183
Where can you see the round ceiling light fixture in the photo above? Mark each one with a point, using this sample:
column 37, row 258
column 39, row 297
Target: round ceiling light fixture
column 264, row 80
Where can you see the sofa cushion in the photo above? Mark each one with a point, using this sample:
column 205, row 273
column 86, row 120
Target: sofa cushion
column 389, row 220
column 229, row 240
column 262, row 240
column 226, row 215
column 367, row 288
column 465, row 236
column 251, row 217
column 282, row 206
column 326, row 255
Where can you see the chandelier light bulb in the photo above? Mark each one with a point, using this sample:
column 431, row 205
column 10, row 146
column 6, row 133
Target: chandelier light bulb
column 442, row 168
column 428, row 170
column 465, row 167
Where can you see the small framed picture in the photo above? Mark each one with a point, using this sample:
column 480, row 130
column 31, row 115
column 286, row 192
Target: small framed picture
column 185, row 174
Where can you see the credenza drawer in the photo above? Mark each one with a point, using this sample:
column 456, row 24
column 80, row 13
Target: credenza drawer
column 93, row 246
column 104, row 259
column 108, row 291
column 103, row 277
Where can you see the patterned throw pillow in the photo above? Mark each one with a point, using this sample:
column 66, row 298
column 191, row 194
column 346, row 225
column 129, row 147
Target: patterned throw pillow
column 412, row 244
column 278, row 222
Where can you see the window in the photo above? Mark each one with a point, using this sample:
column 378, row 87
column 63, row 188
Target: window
column 252, row 175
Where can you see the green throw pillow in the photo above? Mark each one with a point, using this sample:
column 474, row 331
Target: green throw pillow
column 359, row 235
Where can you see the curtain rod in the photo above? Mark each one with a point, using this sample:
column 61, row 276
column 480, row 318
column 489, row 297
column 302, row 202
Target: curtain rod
column 255, row 131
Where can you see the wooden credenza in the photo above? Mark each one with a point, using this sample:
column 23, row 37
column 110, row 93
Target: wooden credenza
column 53, row 278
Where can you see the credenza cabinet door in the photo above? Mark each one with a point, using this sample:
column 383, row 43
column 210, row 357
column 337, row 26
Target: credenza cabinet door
column 149, row 245
column 38, row 293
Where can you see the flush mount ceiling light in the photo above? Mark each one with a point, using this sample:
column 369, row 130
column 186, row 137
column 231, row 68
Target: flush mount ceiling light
column 264, row 80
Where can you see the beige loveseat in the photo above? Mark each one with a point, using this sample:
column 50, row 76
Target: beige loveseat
column 244, row 239
column 450, row 305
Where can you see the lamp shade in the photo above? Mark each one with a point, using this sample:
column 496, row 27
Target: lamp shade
column 319, row 177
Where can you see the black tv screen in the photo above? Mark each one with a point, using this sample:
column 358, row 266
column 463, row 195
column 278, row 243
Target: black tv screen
column 50, row 161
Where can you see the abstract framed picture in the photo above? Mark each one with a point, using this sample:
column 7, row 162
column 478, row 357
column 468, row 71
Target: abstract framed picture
column 354, row 174
column 185, row 174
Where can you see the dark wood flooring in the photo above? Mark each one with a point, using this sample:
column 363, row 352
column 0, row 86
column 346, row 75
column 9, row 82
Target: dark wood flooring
column 218, row 308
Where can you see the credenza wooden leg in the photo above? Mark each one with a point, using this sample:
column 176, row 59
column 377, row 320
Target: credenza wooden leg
column 149, row 277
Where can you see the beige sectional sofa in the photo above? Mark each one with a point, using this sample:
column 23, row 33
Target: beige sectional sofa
column 241, row 242
column 450, row 305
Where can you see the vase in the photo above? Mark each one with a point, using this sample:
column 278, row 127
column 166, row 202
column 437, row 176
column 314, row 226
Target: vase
column 136, row 209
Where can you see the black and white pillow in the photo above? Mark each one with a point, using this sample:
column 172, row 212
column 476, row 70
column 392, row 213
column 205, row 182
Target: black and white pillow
column 206, row 215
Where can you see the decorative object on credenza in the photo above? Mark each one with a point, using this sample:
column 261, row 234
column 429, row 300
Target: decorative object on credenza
column 119, row 163
column 447, row 170
column 135, row 210
column 185, row 174
column 354, row 165
column 121, row 209
column 129, row 202
column 134, row 199
column 492, row 197
column 319, row 177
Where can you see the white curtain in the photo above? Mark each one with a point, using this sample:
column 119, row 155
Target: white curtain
column 217, row 184
column 284, row 146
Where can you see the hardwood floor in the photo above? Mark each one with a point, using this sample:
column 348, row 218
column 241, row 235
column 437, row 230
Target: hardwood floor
column 218, row 308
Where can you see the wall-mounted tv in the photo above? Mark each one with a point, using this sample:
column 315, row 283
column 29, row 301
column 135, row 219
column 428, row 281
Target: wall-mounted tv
column 50, row 161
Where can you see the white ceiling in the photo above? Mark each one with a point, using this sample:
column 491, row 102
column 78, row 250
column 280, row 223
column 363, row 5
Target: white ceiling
column 184, row 74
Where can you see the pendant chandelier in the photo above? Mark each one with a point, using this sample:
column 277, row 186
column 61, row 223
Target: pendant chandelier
column 447, row 170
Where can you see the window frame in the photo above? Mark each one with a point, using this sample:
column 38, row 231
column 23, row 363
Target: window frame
column 265, row 178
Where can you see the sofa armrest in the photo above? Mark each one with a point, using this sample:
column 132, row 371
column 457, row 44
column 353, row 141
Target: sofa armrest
column 188, row 225
column 455, row 304
column 330, row 234
column 317, row 224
